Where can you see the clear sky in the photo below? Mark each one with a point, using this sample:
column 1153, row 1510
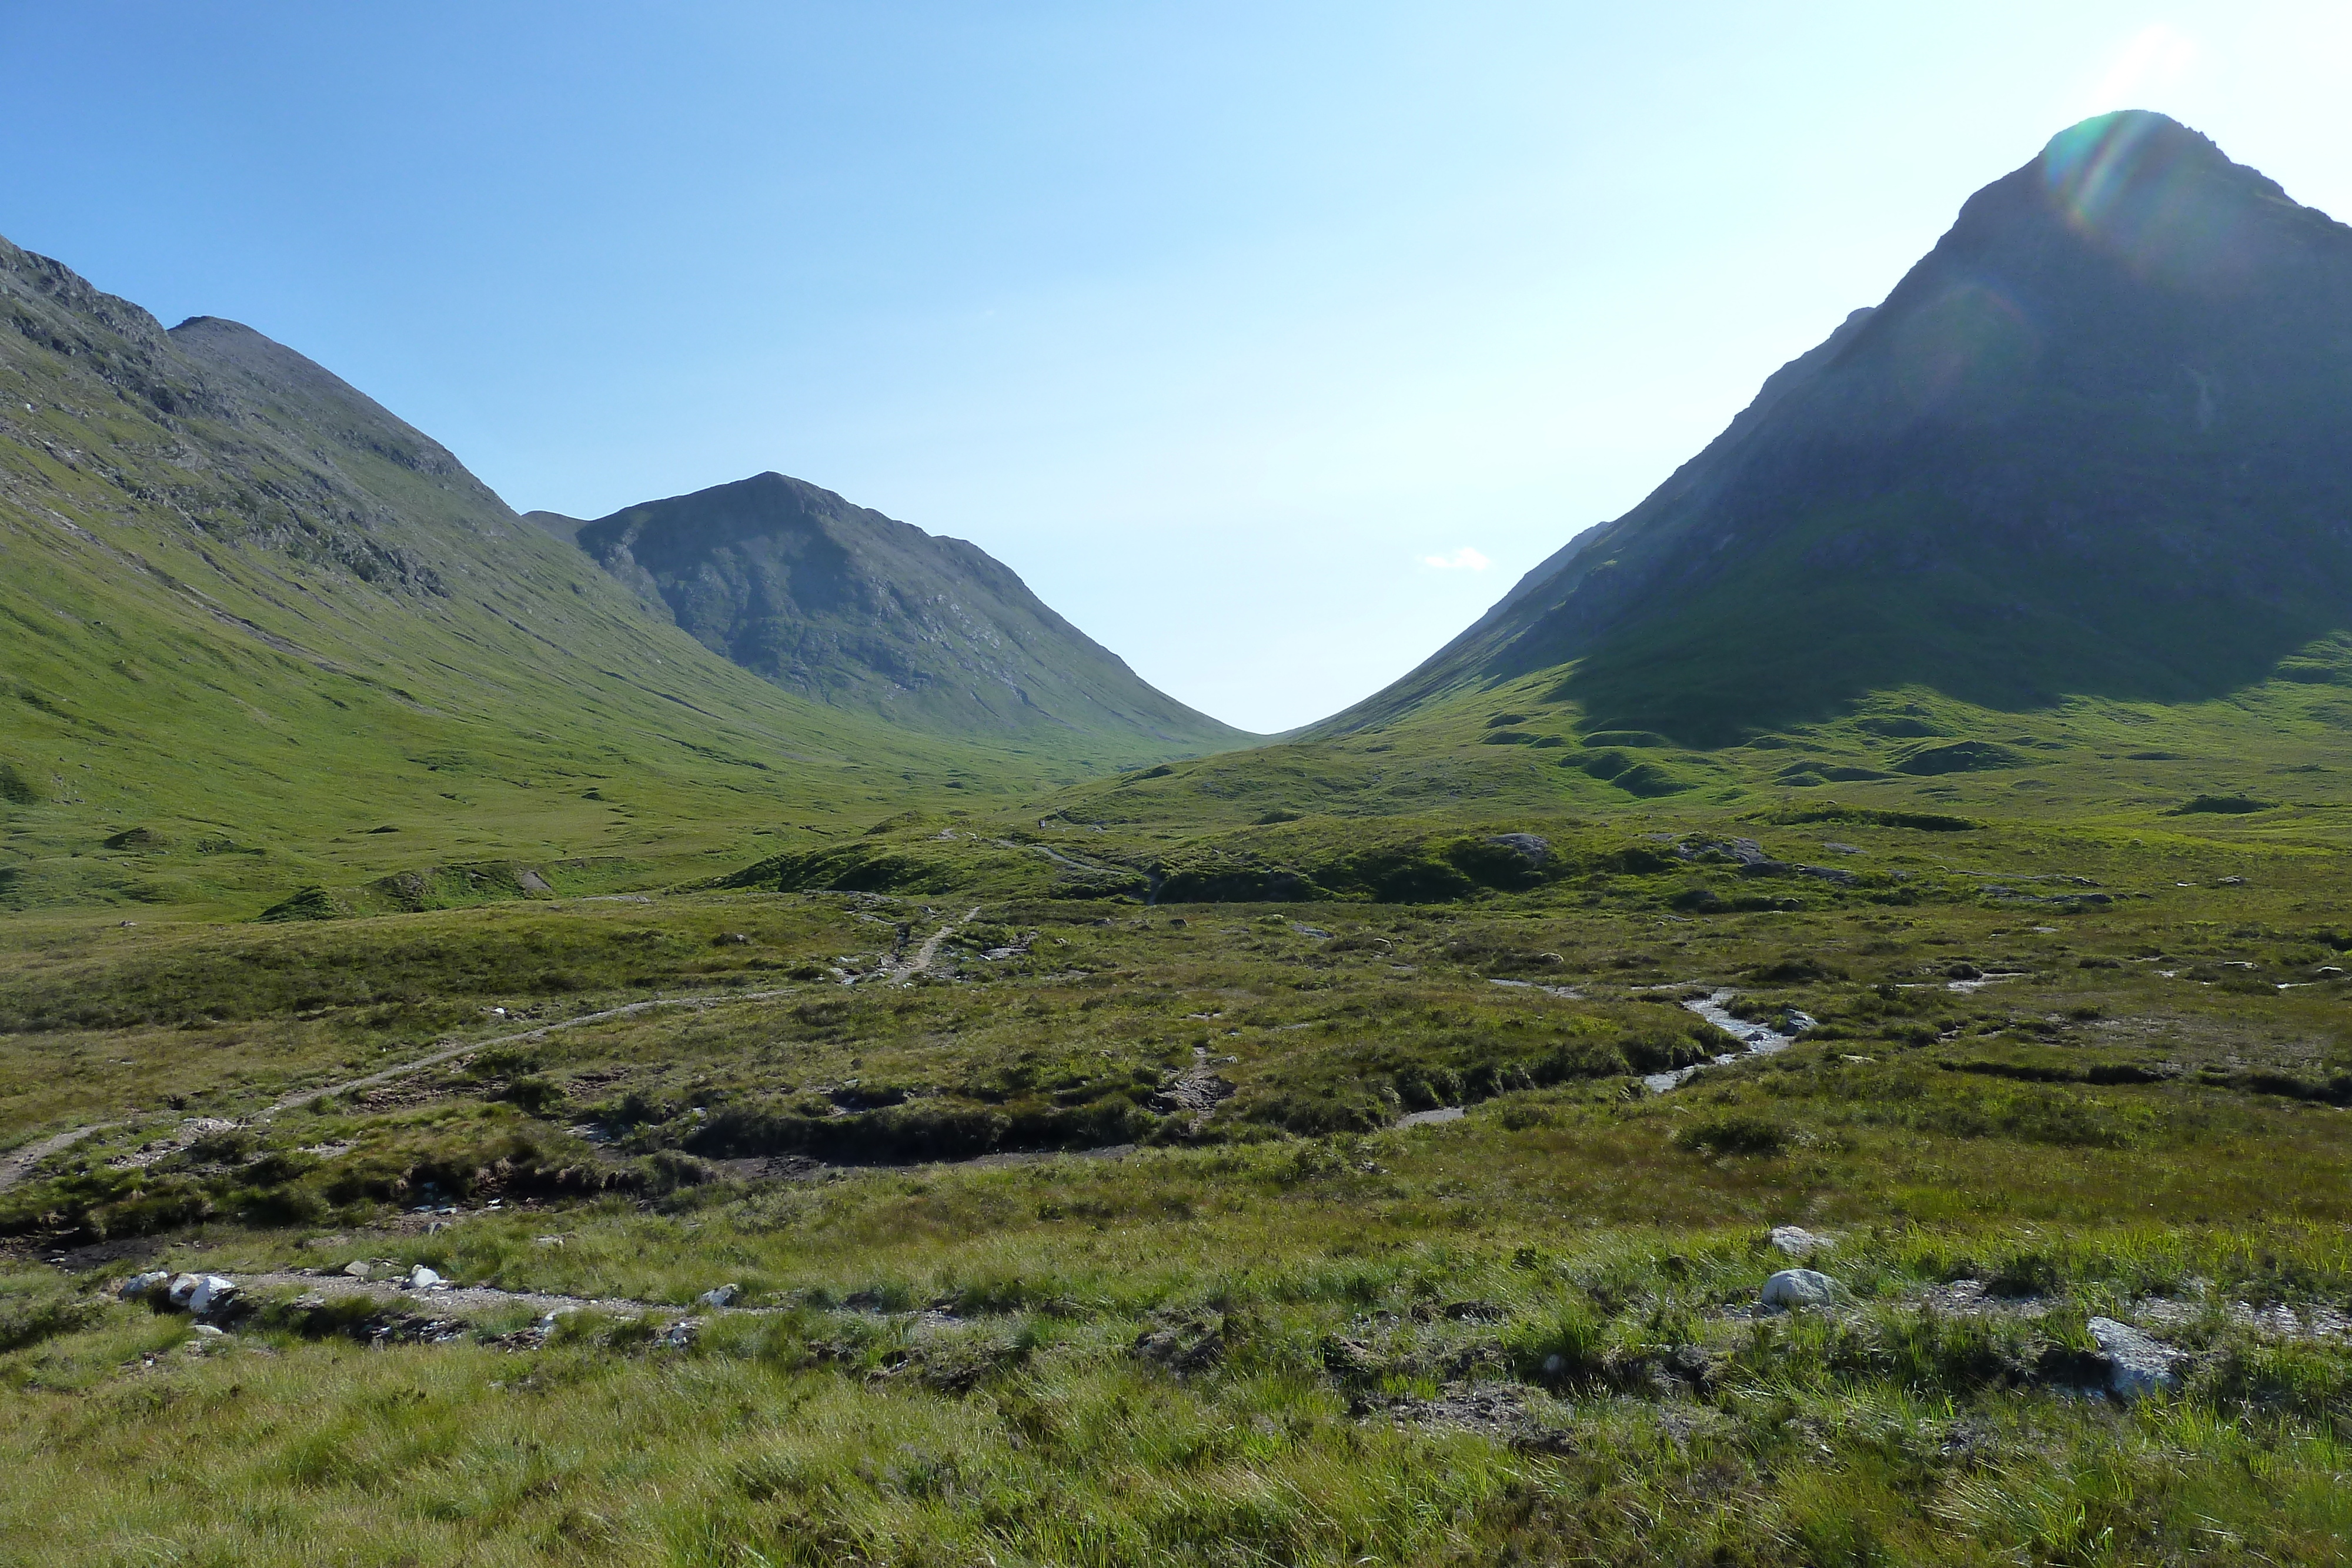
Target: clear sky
column 1270, row 342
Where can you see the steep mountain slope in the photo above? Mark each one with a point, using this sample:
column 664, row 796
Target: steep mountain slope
column 260, row 632
column 2099, row 442
column 843, row 605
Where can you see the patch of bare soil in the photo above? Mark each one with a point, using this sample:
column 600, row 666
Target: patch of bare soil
column 1509, row 1412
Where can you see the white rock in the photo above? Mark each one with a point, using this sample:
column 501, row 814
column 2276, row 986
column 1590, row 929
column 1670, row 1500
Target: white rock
column 183, row 1287
column 213, row 1292
column 206, row 1330
column 2137, row 1365
column 1798, row 1242
column 141, row 1285
column 421, row 1277
column 724, row 1296
column 1799, row 1288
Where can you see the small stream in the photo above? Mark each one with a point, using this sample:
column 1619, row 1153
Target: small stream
column 1759, row 1040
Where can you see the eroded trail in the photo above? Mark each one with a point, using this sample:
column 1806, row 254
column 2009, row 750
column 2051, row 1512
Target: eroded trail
column 462, row 1299
column 922, row 962
column 451, row 1054
column 14, row 1165
column 17, row 1164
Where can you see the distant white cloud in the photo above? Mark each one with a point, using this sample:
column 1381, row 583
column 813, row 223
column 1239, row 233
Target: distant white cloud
column 1464, row 559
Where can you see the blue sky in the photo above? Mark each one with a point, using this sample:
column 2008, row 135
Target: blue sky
column 1270, row 342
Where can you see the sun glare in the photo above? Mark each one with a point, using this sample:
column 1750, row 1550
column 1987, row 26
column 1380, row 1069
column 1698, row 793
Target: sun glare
column 2155, row 59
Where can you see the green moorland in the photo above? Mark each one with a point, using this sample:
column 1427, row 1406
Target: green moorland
column 1072, row 1227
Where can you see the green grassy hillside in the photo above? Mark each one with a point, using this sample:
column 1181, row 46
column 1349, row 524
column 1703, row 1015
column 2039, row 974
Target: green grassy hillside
column 261, row 635
column 1400, row 812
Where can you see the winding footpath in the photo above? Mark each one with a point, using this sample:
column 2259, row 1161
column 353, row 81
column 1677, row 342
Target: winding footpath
column 930, row 948
column 451, row 1054
column 17, row 1164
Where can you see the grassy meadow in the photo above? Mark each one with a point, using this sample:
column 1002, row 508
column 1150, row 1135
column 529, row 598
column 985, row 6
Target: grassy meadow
column 1071, row 1227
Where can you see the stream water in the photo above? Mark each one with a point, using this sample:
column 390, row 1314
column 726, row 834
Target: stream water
column 1759, row 1040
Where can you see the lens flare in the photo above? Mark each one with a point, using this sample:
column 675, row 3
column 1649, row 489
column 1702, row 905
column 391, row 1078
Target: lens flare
column 2148, row 190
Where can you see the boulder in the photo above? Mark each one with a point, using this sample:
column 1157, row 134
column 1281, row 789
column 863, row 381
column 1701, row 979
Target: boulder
column 357, row 1269
column 720, row 1296
column 680, row 1334
column 421, row 1277
column 1798, row 1242
column 1533, row 848
column 1799, row 1288
column 182, row 1287
column 213, row 1295
column 2136, row 1364
column 140, row 1286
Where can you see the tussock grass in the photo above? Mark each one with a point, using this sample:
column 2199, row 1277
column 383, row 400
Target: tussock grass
column 1276, row 1328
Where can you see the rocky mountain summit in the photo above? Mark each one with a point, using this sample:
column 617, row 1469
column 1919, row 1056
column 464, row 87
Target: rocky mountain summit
column 2099, row 441
column 840, row 605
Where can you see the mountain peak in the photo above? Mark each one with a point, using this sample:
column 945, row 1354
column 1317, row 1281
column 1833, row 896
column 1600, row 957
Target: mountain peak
column 2097, row 440
column 2131, row 132
column 837, row 602
column 2159, row 194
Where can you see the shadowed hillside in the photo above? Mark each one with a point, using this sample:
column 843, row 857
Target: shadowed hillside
column 2097, row 442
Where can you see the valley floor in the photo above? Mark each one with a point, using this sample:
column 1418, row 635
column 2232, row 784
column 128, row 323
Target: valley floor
column 1064, row 1229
